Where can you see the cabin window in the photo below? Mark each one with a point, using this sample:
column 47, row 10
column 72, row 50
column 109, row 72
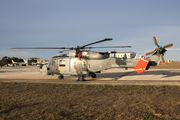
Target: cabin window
column 53, row 62
column 62, row 63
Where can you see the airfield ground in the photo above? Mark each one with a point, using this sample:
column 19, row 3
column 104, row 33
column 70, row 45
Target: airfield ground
column 164, row 74
column 114, row 94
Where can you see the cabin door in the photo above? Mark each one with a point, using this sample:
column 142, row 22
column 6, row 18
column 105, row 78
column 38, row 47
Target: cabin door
column 63, row 65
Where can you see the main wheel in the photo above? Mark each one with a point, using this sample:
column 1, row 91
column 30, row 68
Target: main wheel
column 93, row 75
column 60, row 76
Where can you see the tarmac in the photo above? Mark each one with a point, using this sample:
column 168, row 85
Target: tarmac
column 115, row 76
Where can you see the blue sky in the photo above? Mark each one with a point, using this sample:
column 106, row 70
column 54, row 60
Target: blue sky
column 56, row 23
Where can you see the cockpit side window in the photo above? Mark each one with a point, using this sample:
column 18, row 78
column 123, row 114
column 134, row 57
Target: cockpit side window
column 62, row 63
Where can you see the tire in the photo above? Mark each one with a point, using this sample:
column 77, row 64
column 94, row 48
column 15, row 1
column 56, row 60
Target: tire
column 93, row 75
column 60, row 76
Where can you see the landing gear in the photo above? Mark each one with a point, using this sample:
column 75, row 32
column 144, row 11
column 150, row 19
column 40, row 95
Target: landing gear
column 81, row 77
column 93, row 75
column 60, row 76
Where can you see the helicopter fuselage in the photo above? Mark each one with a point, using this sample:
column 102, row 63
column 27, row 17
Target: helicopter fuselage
column 86, row 63
column 82, row 63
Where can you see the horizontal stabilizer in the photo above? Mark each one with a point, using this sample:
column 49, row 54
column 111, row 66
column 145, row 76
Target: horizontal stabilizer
column 141, row 66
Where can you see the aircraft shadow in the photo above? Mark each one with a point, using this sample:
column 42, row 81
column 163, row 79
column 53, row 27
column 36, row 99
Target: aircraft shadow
column 165, row 73
column 12, row 71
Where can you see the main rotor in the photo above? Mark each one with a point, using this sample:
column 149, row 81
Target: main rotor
column 77, row 48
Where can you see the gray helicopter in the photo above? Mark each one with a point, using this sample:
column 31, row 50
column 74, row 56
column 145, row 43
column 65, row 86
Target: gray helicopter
column 82, row 62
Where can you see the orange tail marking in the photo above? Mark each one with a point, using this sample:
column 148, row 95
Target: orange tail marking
column 141, row 66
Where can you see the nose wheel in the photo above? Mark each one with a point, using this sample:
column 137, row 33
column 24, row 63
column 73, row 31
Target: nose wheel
column 60, row 76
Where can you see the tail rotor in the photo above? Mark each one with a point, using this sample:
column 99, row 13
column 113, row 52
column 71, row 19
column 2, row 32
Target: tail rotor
column 159, row 50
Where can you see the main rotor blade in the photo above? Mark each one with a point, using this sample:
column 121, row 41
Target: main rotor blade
column 106, row 39
column 64, row 51
column 42, row 48
column 108, row 47
column 169, row 45
column 155, row 41
column 148, row 53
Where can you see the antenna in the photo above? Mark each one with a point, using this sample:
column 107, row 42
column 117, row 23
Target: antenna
column 68, row 48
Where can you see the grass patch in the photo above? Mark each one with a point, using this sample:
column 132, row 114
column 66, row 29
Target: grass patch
column 148, row 116
column 5, row 106
column 67, row 105
column 72, row 101
column 100, row 87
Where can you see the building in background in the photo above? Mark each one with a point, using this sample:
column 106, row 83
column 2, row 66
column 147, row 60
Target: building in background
column 45, row 61
column 37, row 60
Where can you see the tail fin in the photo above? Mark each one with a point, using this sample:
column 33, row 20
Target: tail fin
column 153, row 60
column 142, row 65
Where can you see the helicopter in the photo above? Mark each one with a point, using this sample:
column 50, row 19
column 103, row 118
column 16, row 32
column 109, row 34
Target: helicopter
column 82, row 62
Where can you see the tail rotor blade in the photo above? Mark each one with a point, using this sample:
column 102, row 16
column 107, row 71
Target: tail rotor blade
column 169, row 45
column 155, row 41
column 162, row 58
column 148, row 53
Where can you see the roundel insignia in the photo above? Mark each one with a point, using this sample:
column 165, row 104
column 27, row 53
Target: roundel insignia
column 79, row 54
